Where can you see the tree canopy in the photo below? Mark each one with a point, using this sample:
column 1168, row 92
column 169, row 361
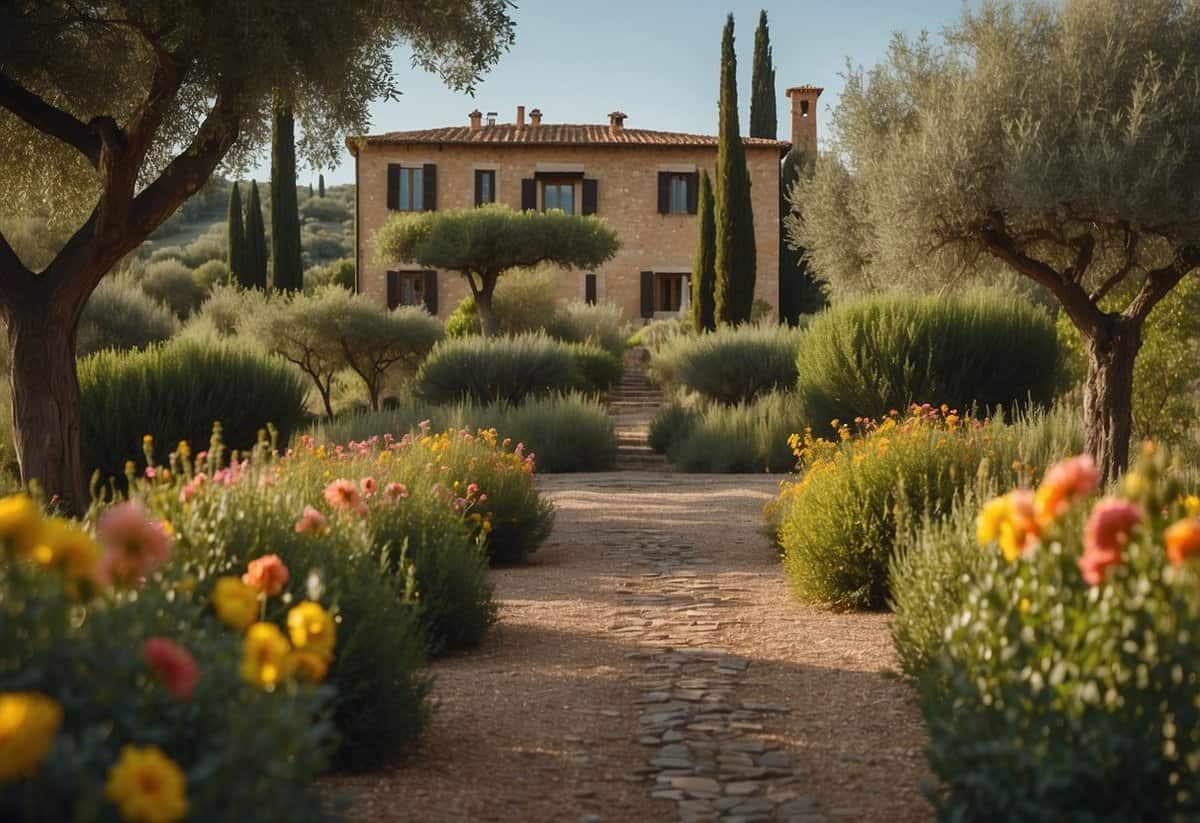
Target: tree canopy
column 482, row 243
column 1061, row 141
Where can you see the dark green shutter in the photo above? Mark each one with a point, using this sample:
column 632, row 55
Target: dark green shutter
column 590, row 196
column 393, row 289
column 529, row 195
column 431, row 295
column 664, row 192
column 429, row 195
column 648, row 294
column 693, row 192
column 589, row 289
column 393, row 186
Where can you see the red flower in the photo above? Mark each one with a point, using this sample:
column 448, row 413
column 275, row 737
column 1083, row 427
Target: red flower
column 268, row 574
column 173, row 665
column 1105, row 535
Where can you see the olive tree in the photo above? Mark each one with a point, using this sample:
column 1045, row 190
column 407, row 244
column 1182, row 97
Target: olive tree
column 1060, row 141
column 375, row 342
column 302, row 329
column 114, row 112
column 484, row 243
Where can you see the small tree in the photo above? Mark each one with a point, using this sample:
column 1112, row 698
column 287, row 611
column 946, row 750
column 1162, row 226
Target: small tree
column 763, row 116
column 236, row 229
column 255, row 276
column 704, row 273
column 733, row 214
column 320, row 185
column 303, row 329
column 483, row 243
column 286, row 265
column 376, row 342
column 1061, row 142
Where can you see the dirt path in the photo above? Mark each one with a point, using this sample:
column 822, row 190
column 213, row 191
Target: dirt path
column 650, row 665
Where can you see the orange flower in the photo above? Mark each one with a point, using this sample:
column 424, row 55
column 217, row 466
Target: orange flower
column 173, row 665
column 267, row 574
column 1065, row 481
column 342, row 494
column 1183, row 539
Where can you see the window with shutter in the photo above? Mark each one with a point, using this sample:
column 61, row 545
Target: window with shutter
column 529, row 194
column 664, row 192
column 648, row 294
column 429, row 189
column 693, row 192
column 431, row 292
column 406, row 288
column 589, row 196
column 406, row 188
column 589, row 289
column 485, row 186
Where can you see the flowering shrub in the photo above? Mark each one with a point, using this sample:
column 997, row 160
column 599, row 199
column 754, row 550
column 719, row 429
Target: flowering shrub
column 120, row 694
column 1071, row 668
column 836, row 522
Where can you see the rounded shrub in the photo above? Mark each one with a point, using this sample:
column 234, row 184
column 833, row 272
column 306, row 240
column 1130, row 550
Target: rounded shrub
column 119, row 315
column 211, row 273
column 1070, row 669
column 747, row 437
column 170, row 282
column 177, row 391
column 597, row 323
column 730, row 365
column 836, row 522
column 982, row 350
column 597, row 370
column 491, row 370
column 670, row 425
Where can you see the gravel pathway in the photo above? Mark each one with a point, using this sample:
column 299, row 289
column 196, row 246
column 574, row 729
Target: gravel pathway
column 649, row 665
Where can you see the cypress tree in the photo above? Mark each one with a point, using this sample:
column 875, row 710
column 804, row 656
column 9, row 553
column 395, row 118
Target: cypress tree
column 704, row 273
column 800, row 291
column 733, row 214
column 762, row 84
column 320, row 185
column 256, row 242
column 286, row 263
column 236, row 258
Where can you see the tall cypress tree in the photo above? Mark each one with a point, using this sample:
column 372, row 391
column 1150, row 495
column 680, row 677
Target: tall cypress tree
column 733, row 214
column 256, row 242
column 704, row 272
column 800, row 291
column 762, row 84
column 236, row 258
column 320, row 185
column 286, row 263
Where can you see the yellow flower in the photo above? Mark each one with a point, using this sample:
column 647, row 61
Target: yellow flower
column 266, row 658
column 146, row 786
column 20, row 524
column 1024, row 605
column 1191, row 504
column 184, row 449
column 312, row 629
column 309, row 666
column 68, row 548
column 1009, row 521
column 235, row 602
column 990, row 520
column 1135, row 485
column 28, row 723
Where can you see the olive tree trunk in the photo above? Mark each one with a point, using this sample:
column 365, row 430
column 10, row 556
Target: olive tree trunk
column 47, row 425
column 1108, row 393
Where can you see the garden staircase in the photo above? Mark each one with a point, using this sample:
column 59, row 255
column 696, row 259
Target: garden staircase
column 632, row 405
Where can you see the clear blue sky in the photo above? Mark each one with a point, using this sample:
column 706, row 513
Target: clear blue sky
column 656, row 60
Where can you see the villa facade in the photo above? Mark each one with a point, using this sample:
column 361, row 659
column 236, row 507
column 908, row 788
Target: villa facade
column 643, row 183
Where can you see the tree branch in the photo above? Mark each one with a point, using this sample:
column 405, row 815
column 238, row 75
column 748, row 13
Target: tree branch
column 48, row 119
column 1159, row 282
column 1120, row 274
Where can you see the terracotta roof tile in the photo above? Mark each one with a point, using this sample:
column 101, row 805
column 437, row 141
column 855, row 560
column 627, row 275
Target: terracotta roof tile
column 555, row 134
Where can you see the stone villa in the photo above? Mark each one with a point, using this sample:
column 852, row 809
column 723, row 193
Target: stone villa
column 642, row 182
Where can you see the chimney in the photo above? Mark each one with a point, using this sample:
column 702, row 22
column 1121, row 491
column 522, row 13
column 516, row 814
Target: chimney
column 804, row 117
column 535, row 118
column 616, row 122
column 491, row 118
column 520, row 117
column 476, row 120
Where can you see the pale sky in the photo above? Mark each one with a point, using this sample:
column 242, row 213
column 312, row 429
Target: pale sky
column 656, row 60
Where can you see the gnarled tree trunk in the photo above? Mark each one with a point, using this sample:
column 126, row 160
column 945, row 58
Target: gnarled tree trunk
column 47, row 425
column 1108, row 392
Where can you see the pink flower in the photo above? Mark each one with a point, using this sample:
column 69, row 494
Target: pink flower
column 342, row 494
column 395, row 491
column 173, row 665
column 268, row 574
column 134, row 545
column 1105, row 535
column 368, row 486
column 472, row 490
column 311, row 521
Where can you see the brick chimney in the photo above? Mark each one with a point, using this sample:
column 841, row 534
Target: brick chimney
column 804, row 117
column 476, row 120
column 491, row 118
column 520, row 117
column 535, row 118
column 616, row 122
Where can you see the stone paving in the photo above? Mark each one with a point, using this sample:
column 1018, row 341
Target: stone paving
column 704, row 744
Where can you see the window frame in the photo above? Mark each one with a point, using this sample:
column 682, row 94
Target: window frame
column 675, row 282
column 678, row 183
column 417, row 279
column 482, row 175
column 411, row 181
column 559, row 183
